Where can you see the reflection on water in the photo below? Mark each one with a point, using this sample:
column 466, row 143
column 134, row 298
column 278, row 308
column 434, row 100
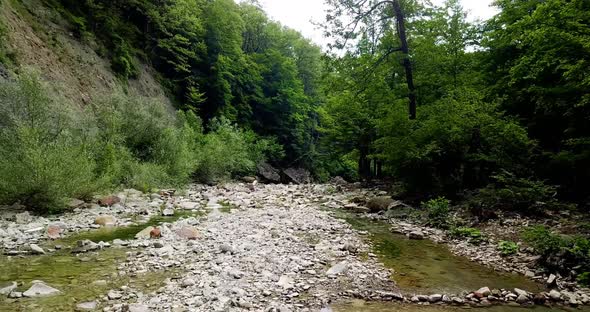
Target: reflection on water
column 360, row 306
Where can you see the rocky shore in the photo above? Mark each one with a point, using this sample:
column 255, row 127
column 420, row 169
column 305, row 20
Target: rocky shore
column 257, row 248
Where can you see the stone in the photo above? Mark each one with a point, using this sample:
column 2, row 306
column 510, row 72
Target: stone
column 435, row 298
column 109, row 200
column 136, row 307
column 268, row 173
column 40, row 289
column 338, row 268
column 23, row 218
column 555, row 295
column 482, row 292
column 522, row 299
column 380, row 203
column 168, row 212
column 188, row 232
column 54, row 231
column 6, row 289
column 297, row 175
column 286, row 282
column 36, row 249
column 458, row 300
column 529, row 274
column 416, row 234
column 156, row 233
column 249, row 179
column 145, row 233
column 225, row 248
column 15, row 294
column 105, row 220
column 520, row 292
column 87, row 306
column 75, row 203
column 551, row 280
column 539, row 299
column 187, row 282
column 114, row 295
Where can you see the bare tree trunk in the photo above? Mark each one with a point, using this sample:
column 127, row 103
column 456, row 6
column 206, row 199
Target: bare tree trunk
column 401, row 29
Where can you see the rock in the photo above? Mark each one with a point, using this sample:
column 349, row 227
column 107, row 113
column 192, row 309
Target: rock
column 338, row 268
column 297, row 175
column 87, row 306
column 114, row 295
column 249, row 179
column 136, row 307
column 86, row 245
column 36, row 249
column 168, row 212
column 458, row 300
column 6, row 289
column 145, row 233
column 285, row 281
column 105, row 220
column 435, row 298
column 520, row 292
column 187, row 282
column 522, row 299
column 555, row 295
column 551, row 280
column 109, row 200
column 75, row 203
column 156, row 233
column 188, row 232
column 23, row 218
column 268, row 173
column 529, row 274
column 15, row 294
column 482, row 292
column 54, row 231
column 380, row 203
column 40, row 289
column 416, row 234
column 539, row 299
column 225, row 248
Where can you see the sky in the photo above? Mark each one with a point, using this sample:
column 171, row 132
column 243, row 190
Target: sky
column 298, row 14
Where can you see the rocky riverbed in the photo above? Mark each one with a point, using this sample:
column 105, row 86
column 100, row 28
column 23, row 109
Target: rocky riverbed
column 233, row 247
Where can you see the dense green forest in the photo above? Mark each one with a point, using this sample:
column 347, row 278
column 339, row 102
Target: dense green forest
column 501, row 106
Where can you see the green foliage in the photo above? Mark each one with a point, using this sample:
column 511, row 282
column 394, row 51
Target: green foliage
column 507, row 248
column 584, row 278
column 228, row 151
column 514, row 193
column 44, row 159
column 474, row 235
column 559, row 252
column 438, row 212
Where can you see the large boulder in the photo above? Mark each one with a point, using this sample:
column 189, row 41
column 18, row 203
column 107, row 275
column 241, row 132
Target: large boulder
column 269, row 173
column 109, row 200
column 297, row 175
column 380, row 203
column 40, row 289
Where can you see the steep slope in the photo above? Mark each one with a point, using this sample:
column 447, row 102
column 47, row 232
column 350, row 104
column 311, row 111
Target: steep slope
column 38, row 37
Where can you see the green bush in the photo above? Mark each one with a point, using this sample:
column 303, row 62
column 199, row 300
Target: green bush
column 438, row 212
column 507, row 248
column 44, row 158
column 474, row 235
column 228, row 151
column 584, row 278
column 559, row 252
column 513, row 193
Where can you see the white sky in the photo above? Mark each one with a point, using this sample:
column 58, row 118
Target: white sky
column 297, row 14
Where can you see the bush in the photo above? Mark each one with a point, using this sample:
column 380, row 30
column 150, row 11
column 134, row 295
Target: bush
column 474, row 235
column 513, row 193
column 438, row 212
column 507, row 248
column 228, row 151
column 559, row 252
column 44, row 158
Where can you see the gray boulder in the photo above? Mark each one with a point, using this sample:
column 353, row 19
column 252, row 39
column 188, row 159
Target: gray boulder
column 297, row 175
column 380, row 203
column 40, row 289
column 268, row 173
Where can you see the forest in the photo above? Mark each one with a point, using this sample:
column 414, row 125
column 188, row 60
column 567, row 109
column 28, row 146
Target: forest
column 500, row 107
column 415, row 123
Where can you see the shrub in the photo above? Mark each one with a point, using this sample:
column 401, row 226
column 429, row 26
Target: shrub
column 44, row 159
column 559, row 252
column 507, row 248
column 474, row 235
column 584, row 278
column 438, row 212
column 513, row 193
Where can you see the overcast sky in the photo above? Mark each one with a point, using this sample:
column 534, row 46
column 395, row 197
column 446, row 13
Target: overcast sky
column 297, row 14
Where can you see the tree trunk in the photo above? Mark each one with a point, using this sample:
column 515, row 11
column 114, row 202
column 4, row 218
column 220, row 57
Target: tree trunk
column 401, row 29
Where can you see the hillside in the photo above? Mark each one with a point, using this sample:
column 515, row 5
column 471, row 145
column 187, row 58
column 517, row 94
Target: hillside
column 39, row 37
